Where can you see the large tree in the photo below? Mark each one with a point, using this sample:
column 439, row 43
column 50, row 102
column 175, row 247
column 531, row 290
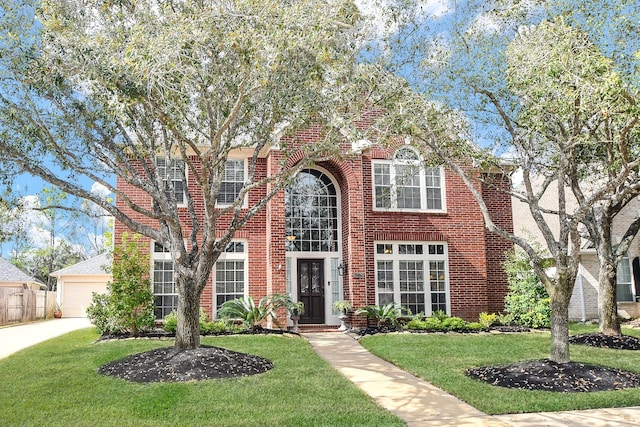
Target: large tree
column 520, row 88
column 98, row 89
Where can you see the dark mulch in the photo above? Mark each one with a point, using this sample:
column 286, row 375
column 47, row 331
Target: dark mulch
column 621, row 342
column 546, row 375
column 171, row 365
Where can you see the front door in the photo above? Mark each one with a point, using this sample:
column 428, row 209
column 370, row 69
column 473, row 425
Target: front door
column 311, row 289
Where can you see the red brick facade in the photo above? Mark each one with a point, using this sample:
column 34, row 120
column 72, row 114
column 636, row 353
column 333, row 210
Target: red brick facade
column 475, row 282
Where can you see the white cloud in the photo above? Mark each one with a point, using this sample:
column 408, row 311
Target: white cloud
column 100, row 190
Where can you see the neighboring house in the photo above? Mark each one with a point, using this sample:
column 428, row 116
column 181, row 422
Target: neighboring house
column 584, row 301
column 13, row 277
column 361, row 229
column 78, row 282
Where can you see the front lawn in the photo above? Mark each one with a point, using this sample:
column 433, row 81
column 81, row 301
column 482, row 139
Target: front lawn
column 442, row 359
column 56, row 383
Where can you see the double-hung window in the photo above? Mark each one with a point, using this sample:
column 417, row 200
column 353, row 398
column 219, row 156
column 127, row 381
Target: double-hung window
column 164, row 285
column 171, row 171
column 230, row 273
column 405, row 184
column 624, row 285
column 232, row 182
column 413, row 275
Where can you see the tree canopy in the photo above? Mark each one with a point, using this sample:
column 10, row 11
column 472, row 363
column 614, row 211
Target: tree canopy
column 96, row 90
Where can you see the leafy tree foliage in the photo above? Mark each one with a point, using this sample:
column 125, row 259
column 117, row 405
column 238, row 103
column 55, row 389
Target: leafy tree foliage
column 527, row 302
column 128, row 304
column 535, row 90
column 104, row 89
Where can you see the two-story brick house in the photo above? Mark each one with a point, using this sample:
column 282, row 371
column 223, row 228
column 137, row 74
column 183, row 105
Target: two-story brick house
column 372, row 227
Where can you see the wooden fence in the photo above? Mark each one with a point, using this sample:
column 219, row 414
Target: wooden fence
column 25, row 305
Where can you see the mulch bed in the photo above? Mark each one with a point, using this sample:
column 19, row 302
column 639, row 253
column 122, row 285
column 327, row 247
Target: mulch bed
column 171, row 365
column 546, row 375
column 622, row 342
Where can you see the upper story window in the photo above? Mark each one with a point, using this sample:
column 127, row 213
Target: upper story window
column 405, row 184
column 171, row 171
column 232, row 181
column 311, row 208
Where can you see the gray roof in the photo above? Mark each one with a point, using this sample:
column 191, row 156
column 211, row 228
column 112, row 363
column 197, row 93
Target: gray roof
column 95, row 265
column 11, row 273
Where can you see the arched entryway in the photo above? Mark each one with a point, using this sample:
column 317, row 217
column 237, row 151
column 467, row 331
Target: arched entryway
column 312, row 208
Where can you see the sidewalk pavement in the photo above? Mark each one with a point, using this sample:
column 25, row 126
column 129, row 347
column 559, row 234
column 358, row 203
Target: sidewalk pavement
column 419, row 403
column 15, row 338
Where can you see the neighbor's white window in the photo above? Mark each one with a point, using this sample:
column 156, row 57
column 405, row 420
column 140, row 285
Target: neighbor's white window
column 412, row 274
column 231, row 273
column 232, row 181
column 405, row 184
column 172, row 173
column 624, row 288
column 163, row 286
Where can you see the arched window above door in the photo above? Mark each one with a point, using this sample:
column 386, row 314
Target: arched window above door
column 311, row 205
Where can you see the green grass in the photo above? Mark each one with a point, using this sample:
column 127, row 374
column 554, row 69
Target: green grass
column 442, row 359
column 56, row 383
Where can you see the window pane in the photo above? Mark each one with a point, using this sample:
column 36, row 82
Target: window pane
column 232, row 182
column 311, row 213
column 230, row 283
column 382, row 185
column 165, row 295
column 624, row 290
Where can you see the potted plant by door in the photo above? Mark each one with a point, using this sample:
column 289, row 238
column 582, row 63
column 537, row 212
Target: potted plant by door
column 295, row 310
column 57, row 312
column 343, row 307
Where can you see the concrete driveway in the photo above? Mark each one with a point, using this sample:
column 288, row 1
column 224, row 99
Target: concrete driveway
column 15, row 338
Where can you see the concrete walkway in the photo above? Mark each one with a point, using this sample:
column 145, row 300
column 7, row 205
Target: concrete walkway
column 15, row 338
column 419, row 403
column 410, row 398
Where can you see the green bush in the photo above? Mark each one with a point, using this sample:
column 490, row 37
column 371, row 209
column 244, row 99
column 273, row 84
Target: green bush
column 475, row 326
column 128, row 305
column 383, row 315
column 170, row 324
column 100, row 315
column 251, row 314
column 488, row 319
column 440, row 322
column 527, row 303
column 454, row 323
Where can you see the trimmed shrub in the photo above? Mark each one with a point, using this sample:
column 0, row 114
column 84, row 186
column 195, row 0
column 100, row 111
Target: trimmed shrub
column 527, row 303
column 487, row 320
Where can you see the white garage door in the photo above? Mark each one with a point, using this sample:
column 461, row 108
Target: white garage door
column 77, row 297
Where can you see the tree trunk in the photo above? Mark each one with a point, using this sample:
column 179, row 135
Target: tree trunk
column 188, row 328
column 607, row 304
column 559, row 330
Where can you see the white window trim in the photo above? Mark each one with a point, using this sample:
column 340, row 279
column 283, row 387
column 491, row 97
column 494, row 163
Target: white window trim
column 629, row 284
column 396, row 257
column 159, row 256
column 182, row 204
column 231, row 256
column 245, row 201
column 423, row 189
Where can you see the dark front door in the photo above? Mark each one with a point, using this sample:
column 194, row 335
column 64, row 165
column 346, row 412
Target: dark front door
column 311, row 289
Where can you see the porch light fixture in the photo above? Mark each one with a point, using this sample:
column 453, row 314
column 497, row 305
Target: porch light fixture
column 342, row 268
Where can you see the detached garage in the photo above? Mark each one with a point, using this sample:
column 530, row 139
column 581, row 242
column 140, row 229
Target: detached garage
column 77, row 283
